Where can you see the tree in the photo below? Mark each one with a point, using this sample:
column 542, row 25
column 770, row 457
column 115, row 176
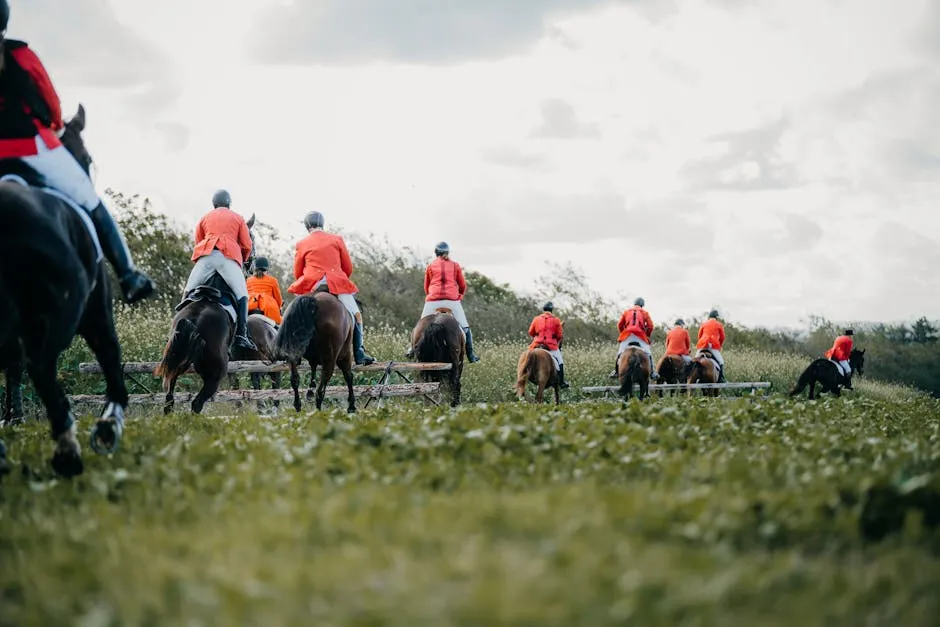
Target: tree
column 922, row 332
column 160, row 248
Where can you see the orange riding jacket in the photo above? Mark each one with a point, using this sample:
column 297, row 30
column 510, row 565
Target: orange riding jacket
column 678, row 342
column 318, row 254
column 225, row 230
column 635, row 321
column 265, row 294
column 711, row 332
column 547, row 330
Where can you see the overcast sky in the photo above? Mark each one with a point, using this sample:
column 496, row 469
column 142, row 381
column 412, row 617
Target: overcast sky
column 775, row 158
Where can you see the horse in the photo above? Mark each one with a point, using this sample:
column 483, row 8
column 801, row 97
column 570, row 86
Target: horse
column 318, row 328
column 263, row 334
column 200, row 336
column 439, row 338
column 673, row 369
column 13, row 396
column 536, row 365
column 633, row 366
column 827, row 373
column 704, row 370
column 65, row 292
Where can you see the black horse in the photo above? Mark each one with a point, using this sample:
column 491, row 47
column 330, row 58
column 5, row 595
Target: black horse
column 64, row 292
column 827, row 373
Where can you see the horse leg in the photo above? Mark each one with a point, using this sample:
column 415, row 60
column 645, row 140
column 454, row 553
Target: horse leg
column 67, row 459
column 348, row 376
column 325, row 376
column 556, row 386
column 13, row 401
column 210, row 385
column 540, row 392
column 311, row 394
column 169, row 385
column 455, row 385
column 295, row 385
column 812, row 389
column 97, row 328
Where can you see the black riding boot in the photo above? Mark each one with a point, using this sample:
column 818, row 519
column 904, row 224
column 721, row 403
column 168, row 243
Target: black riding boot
column 561, row 377
column 241, row 327
column 135, row 285
column 470, row 356
column 359, row 353
column 721, row 374
column 613, row 373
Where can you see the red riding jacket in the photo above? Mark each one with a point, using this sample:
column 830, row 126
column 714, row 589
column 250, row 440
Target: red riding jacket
column 29, row 104
column 443, row 280
column 547, row 330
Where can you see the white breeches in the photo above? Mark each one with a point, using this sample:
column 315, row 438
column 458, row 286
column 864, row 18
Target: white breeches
column 556, row 355
column 348, row 300
column 715, row 352
column 644, row 346
column 60, row 171
column 455, row 307
column 230, row 271
column 845, row 367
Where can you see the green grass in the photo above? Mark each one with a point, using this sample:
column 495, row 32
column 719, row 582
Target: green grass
column 686, row 511
column 682, row 511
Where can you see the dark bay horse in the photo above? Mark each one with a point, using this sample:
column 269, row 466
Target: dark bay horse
column 704, row 370
column 673, row 369
column 54, row 285
column 201, row 335
column 827, row 374
column 317, row 327
column 633, row 367
column 264, row 335
column 439, row 338
column 536, row 366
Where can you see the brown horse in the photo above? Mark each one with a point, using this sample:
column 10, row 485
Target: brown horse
column 317, row 327
column 704, row 370
column 263, row 334
column 439, row 338
column 200, row 336
column 633, row 366
column 673, row 369
column 537, row 366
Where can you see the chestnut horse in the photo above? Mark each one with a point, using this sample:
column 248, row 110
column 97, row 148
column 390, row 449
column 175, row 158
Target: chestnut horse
column 704, row 370
column 633, row 366
column 317, row 327
column 439, row 338
column 536, row 366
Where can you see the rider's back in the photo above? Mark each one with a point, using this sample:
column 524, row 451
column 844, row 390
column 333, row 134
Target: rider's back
column 224, row 230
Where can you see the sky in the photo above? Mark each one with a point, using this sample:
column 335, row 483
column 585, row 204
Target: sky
column 772, row 158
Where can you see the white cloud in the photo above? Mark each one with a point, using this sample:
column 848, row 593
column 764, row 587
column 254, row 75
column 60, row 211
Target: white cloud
column 762, row 156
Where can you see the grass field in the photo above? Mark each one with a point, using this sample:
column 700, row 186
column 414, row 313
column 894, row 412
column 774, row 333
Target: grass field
column 671, row 512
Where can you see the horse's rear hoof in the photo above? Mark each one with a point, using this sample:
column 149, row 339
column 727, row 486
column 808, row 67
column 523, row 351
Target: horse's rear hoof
column 297, row 406
column 67, row 459
column 4, row 464
column 351, row 409
column 105, row 437
column 311, row 395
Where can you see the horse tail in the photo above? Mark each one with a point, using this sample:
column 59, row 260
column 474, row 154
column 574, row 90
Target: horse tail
column 630, row 375
column 525, row 369
column 183, row 349
column 297, row 329
column 804, row 380
column 433, row 345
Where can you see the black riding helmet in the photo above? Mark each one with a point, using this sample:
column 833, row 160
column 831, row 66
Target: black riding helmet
column 313, row 220
column 549, row 306
column 4, row 16
column 261, row 263
column 219, row 199
column 441, row 249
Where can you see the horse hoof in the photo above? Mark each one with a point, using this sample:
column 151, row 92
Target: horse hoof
column 67, row 459
column 105, row 436
column 351, row 410
column 4, row 465
column 311, row 395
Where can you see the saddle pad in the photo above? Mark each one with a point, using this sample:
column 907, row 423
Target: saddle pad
column 265, row 319
column 82, row 214
column 231, row 312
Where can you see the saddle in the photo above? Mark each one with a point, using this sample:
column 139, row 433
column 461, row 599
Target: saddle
column 214, row 291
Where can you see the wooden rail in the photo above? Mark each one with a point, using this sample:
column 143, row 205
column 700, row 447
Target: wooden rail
column 234, row 367
column 737, row 385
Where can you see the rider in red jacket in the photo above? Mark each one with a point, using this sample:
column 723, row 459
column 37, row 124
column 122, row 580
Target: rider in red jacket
column 30, row 122
column 548, row 331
